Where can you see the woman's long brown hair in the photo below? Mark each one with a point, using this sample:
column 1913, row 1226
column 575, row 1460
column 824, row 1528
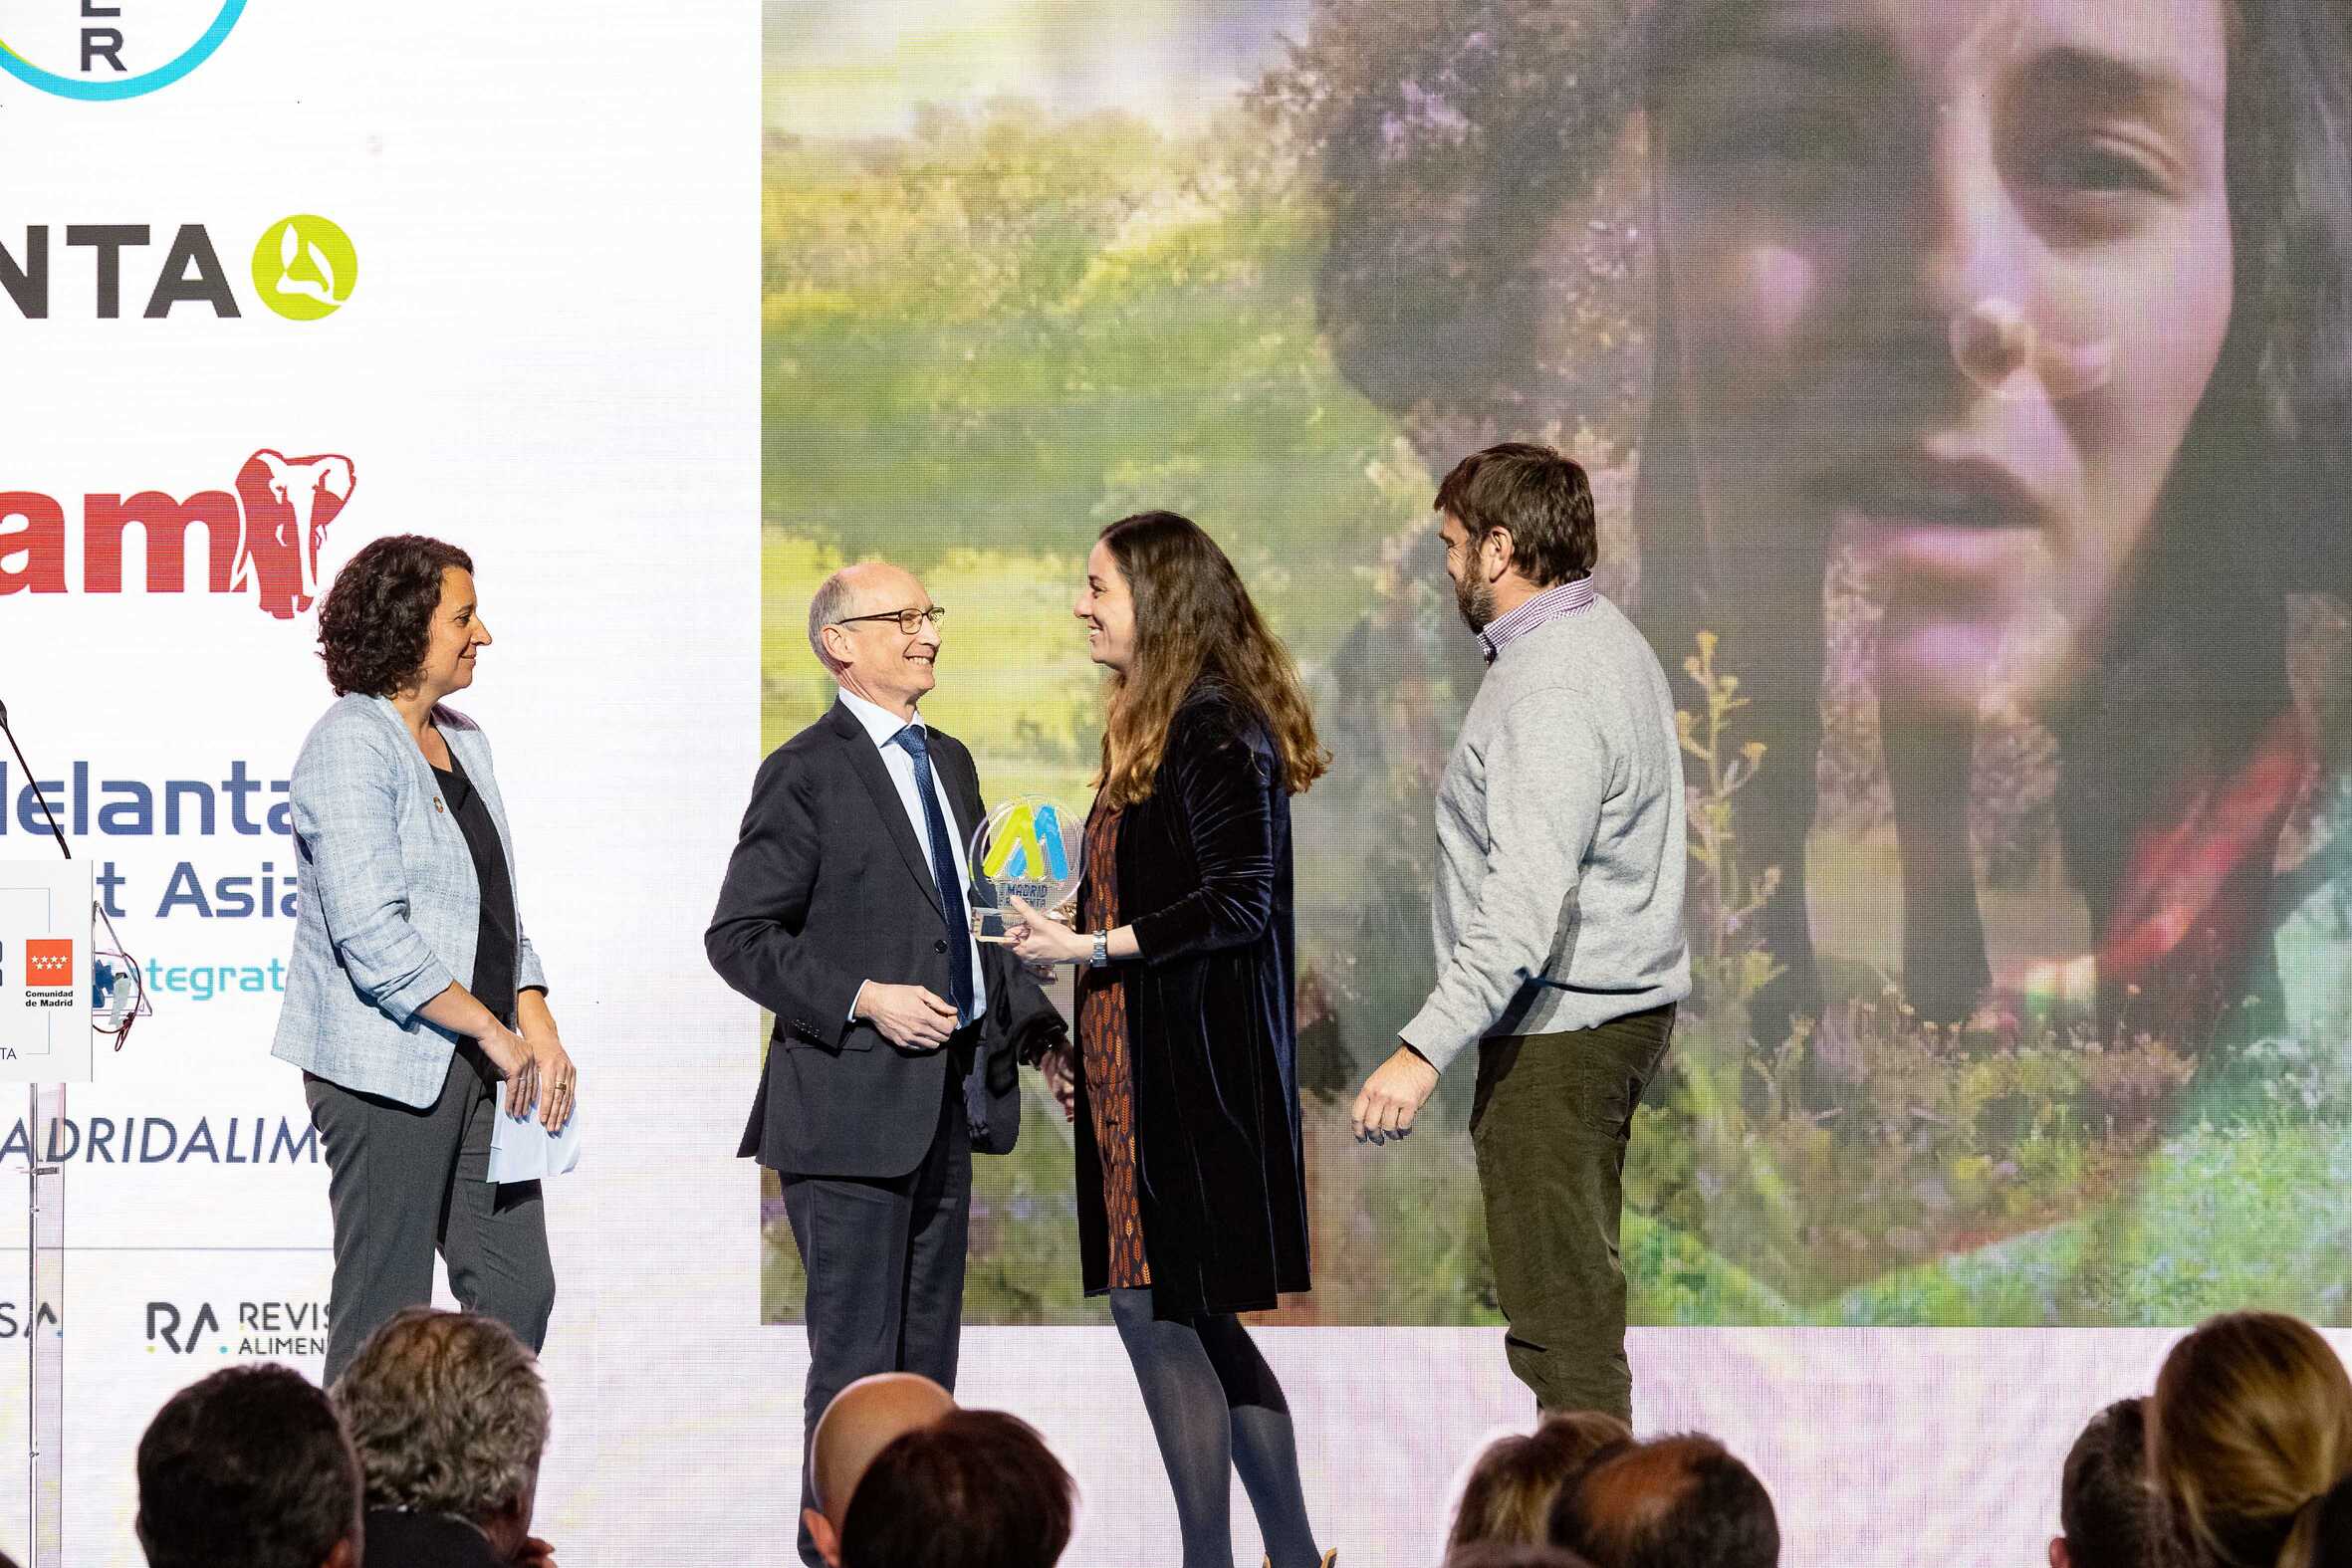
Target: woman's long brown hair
column 1194, row 622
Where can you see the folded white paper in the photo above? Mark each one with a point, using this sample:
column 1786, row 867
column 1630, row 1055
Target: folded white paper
column 520, row 1150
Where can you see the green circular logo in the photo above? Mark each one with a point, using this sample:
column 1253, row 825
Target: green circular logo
column 304, row 267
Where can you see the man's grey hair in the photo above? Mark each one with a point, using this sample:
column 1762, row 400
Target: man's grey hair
column 833, row 599
column 448, row 1413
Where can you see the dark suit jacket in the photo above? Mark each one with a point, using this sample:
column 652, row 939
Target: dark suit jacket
column 831, row 886
column 1204, row 877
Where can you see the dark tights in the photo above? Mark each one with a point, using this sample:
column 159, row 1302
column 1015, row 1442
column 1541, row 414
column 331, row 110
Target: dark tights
column 1215, row 1407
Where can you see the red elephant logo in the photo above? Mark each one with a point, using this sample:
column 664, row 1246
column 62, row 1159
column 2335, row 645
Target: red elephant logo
column 287, row 505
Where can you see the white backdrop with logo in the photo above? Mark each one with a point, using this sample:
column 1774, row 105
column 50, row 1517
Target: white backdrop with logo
column 544, row 346
column 546, row 352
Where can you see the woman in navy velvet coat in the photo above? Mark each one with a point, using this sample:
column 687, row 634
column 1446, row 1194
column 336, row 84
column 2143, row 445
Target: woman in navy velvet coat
column 1192, row 1207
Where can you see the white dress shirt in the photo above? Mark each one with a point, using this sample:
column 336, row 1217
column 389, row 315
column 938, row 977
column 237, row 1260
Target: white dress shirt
column 883, row 725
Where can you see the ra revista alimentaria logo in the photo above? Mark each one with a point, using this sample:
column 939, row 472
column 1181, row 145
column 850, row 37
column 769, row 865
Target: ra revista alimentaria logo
column 261, row 535
column 102, row 50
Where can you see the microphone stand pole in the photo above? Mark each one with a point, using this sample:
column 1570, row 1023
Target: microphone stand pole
column 45, row 1283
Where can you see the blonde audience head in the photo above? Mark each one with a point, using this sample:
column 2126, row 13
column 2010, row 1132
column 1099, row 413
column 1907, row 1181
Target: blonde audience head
column 2249, row 1432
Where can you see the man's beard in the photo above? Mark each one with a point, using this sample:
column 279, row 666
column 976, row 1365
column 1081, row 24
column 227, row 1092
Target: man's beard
column 1474, row 597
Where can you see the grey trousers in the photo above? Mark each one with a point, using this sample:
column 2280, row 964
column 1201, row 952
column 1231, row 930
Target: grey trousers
column 405, row 1183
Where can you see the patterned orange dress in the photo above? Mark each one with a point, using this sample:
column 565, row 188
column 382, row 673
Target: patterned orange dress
column 1108, row 1071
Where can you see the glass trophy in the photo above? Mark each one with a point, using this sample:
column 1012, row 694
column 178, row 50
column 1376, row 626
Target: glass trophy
column 1031, row 847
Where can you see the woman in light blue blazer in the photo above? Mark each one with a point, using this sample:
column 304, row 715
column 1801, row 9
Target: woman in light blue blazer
column 412, row 991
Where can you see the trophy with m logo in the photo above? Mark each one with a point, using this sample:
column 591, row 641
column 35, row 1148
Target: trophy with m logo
column 1031, row 847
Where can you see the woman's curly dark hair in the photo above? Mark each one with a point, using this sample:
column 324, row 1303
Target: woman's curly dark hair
column 379, row 617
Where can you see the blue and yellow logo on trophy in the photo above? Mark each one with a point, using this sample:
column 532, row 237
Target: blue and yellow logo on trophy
column 1030, row 848
column 1028, row 845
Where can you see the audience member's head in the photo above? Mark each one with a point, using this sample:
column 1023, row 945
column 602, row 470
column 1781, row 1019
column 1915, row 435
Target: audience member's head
column 2250, row 1428
column 1513, row 1554
column 2106, row 1517
column 451, row 1418
column 1677, row 1502
column 247, row 1466
column 975, row 1488
column 864, row 1419
column 1512, row 1486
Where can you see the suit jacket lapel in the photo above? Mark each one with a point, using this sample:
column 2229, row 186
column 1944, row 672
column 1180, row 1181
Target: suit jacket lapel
column 866, row 762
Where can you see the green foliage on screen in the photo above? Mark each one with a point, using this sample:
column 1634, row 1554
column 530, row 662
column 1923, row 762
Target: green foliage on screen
column 987, row 337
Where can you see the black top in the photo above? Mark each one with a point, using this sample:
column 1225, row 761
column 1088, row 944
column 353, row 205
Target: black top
column 397, row 1539
column 497, row 945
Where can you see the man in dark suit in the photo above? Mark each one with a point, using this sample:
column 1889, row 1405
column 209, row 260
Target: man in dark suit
column 845, row 913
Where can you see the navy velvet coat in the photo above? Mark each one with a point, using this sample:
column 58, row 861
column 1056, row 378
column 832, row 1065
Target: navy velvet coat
column 1204, row 876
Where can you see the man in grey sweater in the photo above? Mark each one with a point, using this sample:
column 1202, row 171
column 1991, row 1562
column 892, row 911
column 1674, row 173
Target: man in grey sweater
column 1558, row 914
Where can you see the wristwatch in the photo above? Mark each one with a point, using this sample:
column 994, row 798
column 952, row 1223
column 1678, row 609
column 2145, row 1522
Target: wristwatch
column 1102, row 951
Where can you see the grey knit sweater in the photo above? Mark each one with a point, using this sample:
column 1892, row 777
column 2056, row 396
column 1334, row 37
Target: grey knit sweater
column 1560, row 849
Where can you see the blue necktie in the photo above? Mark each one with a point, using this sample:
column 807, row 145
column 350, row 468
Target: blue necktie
column 952, row 893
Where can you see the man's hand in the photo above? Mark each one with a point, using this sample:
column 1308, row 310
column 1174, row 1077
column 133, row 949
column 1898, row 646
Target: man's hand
column 1393, row 1095
column 533, row 1553
column 909, row 1016
column 1054, row 1067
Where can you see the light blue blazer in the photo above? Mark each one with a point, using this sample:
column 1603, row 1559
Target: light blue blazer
column 387, row 912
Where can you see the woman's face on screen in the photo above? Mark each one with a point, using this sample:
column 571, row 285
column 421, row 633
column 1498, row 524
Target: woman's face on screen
column 1948, row 281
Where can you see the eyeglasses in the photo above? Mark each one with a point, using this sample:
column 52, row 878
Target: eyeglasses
column 909, row 621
